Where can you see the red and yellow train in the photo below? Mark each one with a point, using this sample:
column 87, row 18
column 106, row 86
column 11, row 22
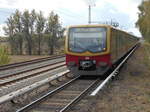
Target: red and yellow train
column 93, row 49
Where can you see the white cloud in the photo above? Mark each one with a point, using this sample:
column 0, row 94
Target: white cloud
column 43, row 4
column 135, row 31
column 125, row 6
column 76, row 11
column 8, row 3
column 1, row 29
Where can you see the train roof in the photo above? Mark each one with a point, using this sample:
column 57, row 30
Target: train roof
column 101, row 25
column 90, row 25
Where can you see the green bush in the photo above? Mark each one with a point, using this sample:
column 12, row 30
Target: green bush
column 147, row 54
column 4, row 57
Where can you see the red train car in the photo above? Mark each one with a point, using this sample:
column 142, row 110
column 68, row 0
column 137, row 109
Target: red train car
column 93, row 49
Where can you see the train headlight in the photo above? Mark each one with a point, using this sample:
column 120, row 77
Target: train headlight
column 94, row 61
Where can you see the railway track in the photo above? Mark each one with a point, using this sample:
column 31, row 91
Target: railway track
column 66, row 96
column 19, row 64
column 19, row 73
column 9, row 79
column 63, row 97
column 17, row 78
column 32, row 85
column 20, row 81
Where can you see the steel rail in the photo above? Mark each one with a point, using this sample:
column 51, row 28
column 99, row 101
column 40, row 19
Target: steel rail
column 113, row 74
column 24, row 90
column 29, row 106
column 13, row 65
column 28, row 76
column 23, row 71
column 80, row 96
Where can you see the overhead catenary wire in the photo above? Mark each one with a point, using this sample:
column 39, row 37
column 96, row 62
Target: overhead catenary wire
column 74, row 16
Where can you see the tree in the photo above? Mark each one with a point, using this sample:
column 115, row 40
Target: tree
column 32, row 21
column 40, row 29
column 10, row 31
column 143, row 22
column 25, row 22
column 53, row 28
column 18, row 30
column 28, row 22
column 27, row 31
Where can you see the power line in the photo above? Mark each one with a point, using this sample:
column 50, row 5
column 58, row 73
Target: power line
column 70, row 15
column 74, row 13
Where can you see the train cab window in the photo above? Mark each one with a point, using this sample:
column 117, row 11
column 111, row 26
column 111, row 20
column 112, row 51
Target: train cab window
column 87, row 39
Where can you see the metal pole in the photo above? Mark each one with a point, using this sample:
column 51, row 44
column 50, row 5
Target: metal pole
column 89, row 14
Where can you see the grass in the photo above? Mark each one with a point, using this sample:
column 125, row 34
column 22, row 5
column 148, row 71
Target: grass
column 4, row 57
column 147, row 53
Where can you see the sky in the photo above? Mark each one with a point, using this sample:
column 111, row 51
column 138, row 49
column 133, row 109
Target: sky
column 72, row 12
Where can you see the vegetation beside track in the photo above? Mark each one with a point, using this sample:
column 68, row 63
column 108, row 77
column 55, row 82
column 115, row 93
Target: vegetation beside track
column 21, row 58
column 147, row 52
column 4, row 57
column 143, row 19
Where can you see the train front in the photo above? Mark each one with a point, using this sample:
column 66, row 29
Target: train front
column 87, row 49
